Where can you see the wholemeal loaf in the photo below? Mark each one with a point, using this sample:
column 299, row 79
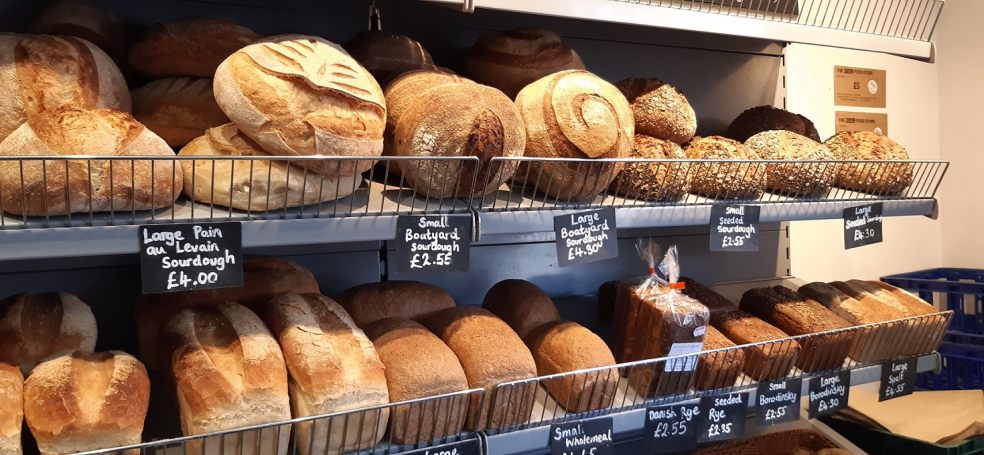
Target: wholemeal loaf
column 521, row 304
column 11, row 409
column 333, row 367
column 715, row 303
column 256, row 185
column 42, row 72
column 58, row 187
column 280, row 92
column 490, row 353
column 565, row 346
column 769, row 118
column 573, row 114
column 84, row 20
column 418, row 364
column 36, row 326
column 718, row 369
column 654, row 181
column 387, row 55
column 512, row 59
column 178, row 109
column 229, row 373
column 794, row 179
column 767, row 358
column 877, row 178
column 660, row 110
column 725, row 179
column 192, row 46
column 81, row 402
column 873, row 344
column 405, row 299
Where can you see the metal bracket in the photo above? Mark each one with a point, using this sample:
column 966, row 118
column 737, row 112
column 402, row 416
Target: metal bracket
column 468, row 6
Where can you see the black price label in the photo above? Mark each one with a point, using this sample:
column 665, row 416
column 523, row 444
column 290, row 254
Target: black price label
column 433, row 243
column 724, row 417
column 672, row 429
column 898, row 378
column 734, row 227
column 778, row 401
column 829, row 393
column 586, row 237
column 583, row 437
column 862, row 225
column 468, row 447
column 185, row 257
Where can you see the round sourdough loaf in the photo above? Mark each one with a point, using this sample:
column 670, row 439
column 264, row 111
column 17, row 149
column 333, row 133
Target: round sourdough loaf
column 43, row 72
column 84, row 20
column 178, row 109
column 254, row 185
column 192, row 46
column 768, row 118
column 300, row 95
column 11, row 409
column 87, row 401
column 725, row 179
column 36, row 326
column 387, row 55
column 57, row 187
column 660, row 110
column 407, row 88
column 794, row 179
column 654, row 181
column 573, row 114
column 513, row 59
column 876, row 178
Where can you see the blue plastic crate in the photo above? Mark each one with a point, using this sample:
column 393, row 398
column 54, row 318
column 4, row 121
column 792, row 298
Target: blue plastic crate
column 963, row 368
column 961, row 289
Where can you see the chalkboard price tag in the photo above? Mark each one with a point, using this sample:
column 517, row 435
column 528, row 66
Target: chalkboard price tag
column 898, row 378
column 586, row 237
column 724, row 417
column 829, row 393
column 862, row 225
column 672, row 429
column 185, row 257
column 467, row 447
column 778, row 401
column 582, row 437
column 433, row 243
column 734, row 227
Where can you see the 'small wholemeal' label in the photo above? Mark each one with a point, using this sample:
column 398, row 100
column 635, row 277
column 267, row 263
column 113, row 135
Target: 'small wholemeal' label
column 859, row 87
column 185, row 257
column 586, row 237
column 582, row 437
column 734, row 227
column 433, row 243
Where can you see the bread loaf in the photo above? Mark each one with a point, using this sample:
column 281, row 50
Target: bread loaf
column 36, row 326
column 255, row 185
column 660, row 110
column 873, row 344
column 513, row 59
column 418, row 364
column 521, row 304
column 229, row 373
column 192, row 46
column 573, row 114
column 333, row 368
column 653, row 181
column 42, row 72
column 726, row 179
column 490, row 354
column 909, row 304
column 720, row 369
column 794, row 179
column 263, row 277
column 771, row 355
column 81, row 19
column 768, row 118
column 405, row 299
column 177, row 109
column 715, row 303
column 565, row 346
column 59, row 186
column 916, row 331
column 300, row 95
column 11, row 409
column 81, row 402
column 877, row 178
column 387, row 55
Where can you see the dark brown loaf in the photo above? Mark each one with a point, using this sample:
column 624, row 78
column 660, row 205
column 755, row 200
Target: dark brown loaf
column 513, row 59
column 177, row 109
column 418, row 364
column 11, row 409
column 191, row 46
column 37, row 326
column 718, row 369
column 653, row 181
column 387, row 55
column 404, row 299
column 765, row 360
column 715, row 303
column 877, row 178
column 768, row 118
column 521, row 304
column 794, row 179
column 660, row 110
column 725, row 180
column 564, row 346
column 81, row 19
column 873, row 344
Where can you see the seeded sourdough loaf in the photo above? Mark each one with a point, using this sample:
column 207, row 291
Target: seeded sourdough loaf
column 659, row 109
column 794, row 179
column 727, row 179
column 653, row 181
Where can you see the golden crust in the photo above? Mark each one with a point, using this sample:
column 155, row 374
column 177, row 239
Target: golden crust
column 660, row 109
column 876, row 178
column 724, row 180
column 192, row 46
column 513, row 59
column 799, row 179
column 564, row 346
column 653, row 181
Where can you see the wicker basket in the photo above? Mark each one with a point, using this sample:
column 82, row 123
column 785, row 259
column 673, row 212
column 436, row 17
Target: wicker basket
column 785, row 442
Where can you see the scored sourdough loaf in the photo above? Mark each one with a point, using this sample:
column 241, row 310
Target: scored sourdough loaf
column 565, row 346
column 333, row 367
column 36, row 326
column 768, row 118
column 873, row 343
column 81, row 19
column 58, row 187
column 80, row 402
column 512, row 59
column 192, row 46
column 256, row 185
column 573, row 114
column 42, row 72
column 653, row 181
column 521, row 304
column 405, row 299
column 403, row 91
column 387, row 55
column 298, row 95
column 11, row 409
column 660, row 110
column 718, row 369
column 178, row 109
column 490, row 354
column 772, row 355
column 418, row 365
column 229, row 373
column 726, row 179
column 878, row 178
column 794, row 179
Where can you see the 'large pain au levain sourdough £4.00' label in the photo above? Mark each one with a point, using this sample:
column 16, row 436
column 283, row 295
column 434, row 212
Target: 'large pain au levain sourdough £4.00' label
column 184, row 257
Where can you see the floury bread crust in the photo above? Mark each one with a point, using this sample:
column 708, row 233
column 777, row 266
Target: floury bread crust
column 36, row 326
column 11, row 409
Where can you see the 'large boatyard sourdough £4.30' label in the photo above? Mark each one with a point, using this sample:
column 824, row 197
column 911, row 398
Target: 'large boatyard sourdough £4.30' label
column 586, row 236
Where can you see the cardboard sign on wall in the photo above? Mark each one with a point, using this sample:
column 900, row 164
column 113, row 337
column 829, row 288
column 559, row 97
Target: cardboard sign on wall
column 861, row 121
column 859, row 87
